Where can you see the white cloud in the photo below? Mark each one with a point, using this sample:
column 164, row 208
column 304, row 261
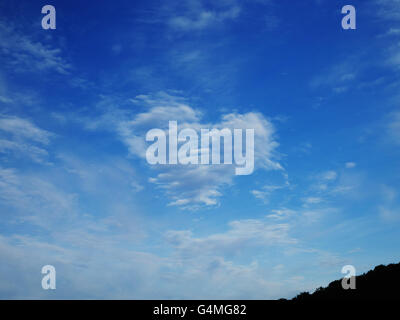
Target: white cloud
column 81, row 263
column 36, row 200
column 393, row 59
column 389, row 194
column 22, row 53
column 280, row 214
column 194, row 15
column 242, row 234
column 5, row 99
column 324, row 181
column 266, row 191
column 19, row 149
column 194, row 185
column 24, row 129
column 128, row 273
column 338, row 77
column 263, row 195
column 329, row 175
column 330, row 184
column 312, row 200
column 77, row 247
column 102, row 255
column 350, row 165
column 389, row 209
column 393, row 31
column 388, row 9
column 107, row 178
column 20, row 137
column 389, row 213
column 96, row 256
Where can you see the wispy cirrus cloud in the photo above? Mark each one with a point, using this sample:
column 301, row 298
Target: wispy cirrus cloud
column 266, row 191
column 34, row 199
column 22, row 53
column 389, row 210
column 21, row 138
column 24, row 129
column 388, row 9
column 242, row 234
column 393, row 126
column 339, row 78
column 203, row 18
column 198, row 14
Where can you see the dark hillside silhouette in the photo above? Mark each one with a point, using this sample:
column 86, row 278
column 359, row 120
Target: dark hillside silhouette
column 382, row 283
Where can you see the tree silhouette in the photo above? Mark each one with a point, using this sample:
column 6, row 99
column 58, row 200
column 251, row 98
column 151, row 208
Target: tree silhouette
column 381, row 283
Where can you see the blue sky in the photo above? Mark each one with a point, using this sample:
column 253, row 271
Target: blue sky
column 77, row 193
